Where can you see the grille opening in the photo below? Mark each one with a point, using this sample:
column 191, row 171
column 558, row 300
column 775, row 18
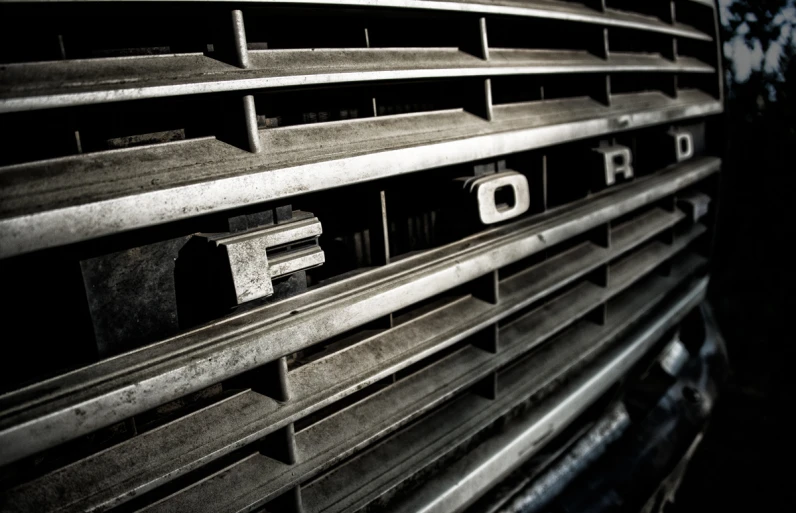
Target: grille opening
column 657, row 8
column 283, row 29
column 308, row 106
column 625, row 83
column 104, row 438
column 186, row 480
column 526, row 263
column 706, row 83
column 430, row 304
column 296, row 28
column 346, row 402
column 39, row 135
column 64, row 454
column 409, row 97
column 593, row 4
column 333, row 344
column 517, row 89
column 705, row 51
column 181, row 407
column 436, row 357
column 590, row 236
column 417, row 215
column 30, row 38
column 697, row 15
column 400, row 30
column 46, row 280
column 634, row 41
column 130, row 124
column 569, row 173
column 592, row 85
column 351, row 221
column 540, row 303
column 56, row 33
column 544, row 34
column 625, row 260
column 131, row 34
column 630, row 217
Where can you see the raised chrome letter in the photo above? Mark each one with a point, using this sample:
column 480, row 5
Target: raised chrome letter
column 617, row 159
column 683, row 144
column 485, row 190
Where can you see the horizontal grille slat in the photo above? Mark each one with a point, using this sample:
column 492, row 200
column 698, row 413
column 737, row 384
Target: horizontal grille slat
column 92, row 195
column 142, row 462
column 322, row 253
column 550, row 9
column 80, row 82
column 259, row 478
column 464, row 481
column 157, row 374
column 373, row 473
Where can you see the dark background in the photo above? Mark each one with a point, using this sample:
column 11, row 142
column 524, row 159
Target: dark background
column 746, row 461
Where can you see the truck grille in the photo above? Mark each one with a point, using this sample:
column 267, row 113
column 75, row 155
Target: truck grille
column 316, row 256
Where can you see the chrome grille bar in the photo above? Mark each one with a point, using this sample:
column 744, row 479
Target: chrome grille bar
column 258, row 478
column 351, row 249
column 104, row 205
column 49, row 412
column 463, row 482
column 151, row 458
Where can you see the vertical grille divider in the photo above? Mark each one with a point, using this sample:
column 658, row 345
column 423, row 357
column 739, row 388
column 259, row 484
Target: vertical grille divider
column 252, row 132
column 488, row 99
column 675, row 52
column 605, row 48
column 669, row 235
column 239, row 35
column 487, row 288
column 281, row 445
column 601, row 236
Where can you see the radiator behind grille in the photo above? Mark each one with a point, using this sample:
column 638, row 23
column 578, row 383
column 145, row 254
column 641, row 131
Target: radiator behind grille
column 368, row 337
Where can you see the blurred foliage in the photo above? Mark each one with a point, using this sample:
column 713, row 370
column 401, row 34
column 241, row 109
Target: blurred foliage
column 768, row 96
column 754, row 277
column 762, row 18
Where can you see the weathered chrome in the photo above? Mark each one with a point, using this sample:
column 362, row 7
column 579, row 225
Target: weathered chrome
column 299, row 160
column 683, row 144
column 363, row 364
column 588, row 448
column 34, row 86
column 696, row 204
column 249, row 266
column 616, row 160
column 318, row 384
column 464, row 481
column 483, row 190
column 34, row 419
column 376, row 472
